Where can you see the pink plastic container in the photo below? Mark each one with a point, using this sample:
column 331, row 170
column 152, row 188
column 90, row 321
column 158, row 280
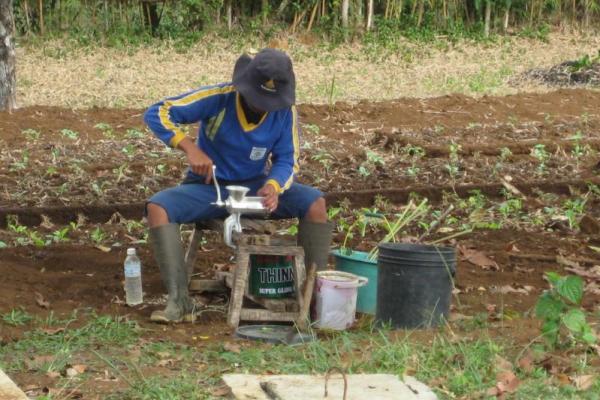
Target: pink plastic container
column 335, row 306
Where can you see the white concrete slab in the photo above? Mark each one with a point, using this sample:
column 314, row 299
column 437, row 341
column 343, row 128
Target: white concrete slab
column 311, row 387
column 8, row 389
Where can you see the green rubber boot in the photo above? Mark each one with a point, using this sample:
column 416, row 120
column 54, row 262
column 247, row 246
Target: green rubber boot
column 315, row 238
column 168, row 252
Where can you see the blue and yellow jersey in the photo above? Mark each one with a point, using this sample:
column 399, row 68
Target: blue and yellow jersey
column 238, row 148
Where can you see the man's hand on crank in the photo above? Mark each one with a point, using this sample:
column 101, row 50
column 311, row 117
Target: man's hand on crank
column 199, row 162
column 270, row 197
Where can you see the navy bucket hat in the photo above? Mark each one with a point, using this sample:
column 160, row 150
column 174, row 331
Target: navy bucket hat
column 266, row 80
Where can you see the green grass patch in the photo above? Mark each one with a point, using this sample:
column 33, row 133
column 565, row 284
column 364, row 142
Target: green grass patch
column 455, row 365
column 57, row 340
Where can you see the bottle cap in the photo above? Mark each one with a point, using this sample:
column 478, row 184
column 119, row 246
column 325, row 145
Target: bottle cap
column 131, row 251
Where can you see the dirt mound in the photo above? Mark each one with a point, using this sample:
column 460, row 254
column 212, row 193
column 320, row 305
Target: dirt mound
column 582, row 72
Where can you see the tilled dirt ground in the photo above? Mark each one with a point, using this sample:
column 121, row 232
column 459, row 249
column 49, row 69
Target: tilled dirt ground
column 408, row 143
column 62, row 163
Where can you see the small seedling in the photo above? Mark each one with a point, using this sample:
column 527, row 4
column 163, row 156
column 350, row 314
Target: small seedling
column 325, row 159
column 68, row 133
column 129, row 150
column 560, row 307
column 99, row 187
column 415, row 153
column 312, row 128
column 37, row 240
column 540, row 153
column 133, row 224
column 134, row 134
column 31, row 134
column 22, row 163
column 505, row 154
column 51, row 171
column 98, row 235
column 55, row 153
column 61, row 235
column 17, row 317
column 573, row 210
column 106, row 130
column 120, row 172
column 510, row 208
column 579, row 150
column 453, row 166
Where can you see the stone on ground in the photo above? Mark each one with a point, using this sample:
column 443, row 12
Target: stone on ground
column 311, row 387
column 8, row 389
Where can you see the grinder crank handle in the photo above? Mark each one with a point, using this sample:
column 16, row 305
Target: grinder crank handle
column 217, row 187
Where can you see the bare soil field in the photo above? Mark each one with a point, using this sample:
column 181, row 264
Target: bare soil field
column 516, row 167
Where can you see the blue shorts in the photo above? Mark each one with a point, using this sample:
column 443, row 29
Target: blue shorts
column 191, row 201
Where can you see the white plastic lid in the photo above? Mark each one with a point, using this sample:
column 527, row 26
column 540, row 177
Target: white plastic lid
column 131, row 251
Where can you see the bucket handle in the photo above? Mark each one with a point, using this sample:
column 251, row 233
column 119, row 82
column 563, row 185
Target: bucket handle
column 362, row 281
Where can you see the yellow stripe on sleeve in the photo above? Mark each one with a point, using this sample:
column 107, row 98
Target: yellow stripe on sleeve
column 275, row 184
column 296, row 143
column 165, row 119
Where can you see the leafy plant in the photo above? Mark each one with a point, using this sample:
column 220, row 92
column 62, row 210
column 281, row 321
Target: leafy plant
column 37, row 240
column 61, row 235
column 510, row 208
column 560, row 307
column 453, row 165
column 368, row 166
column 134, row 134
column 120, row 171
column 410, row 214
column 579, row 150
column 31, row 134
column 585, row 62
column 70, row 134
column 574, row 209
column 325, row 159
column 16, row 317
column 314, row 129
column 106, row 130
column 22, row 163
column 98, row 235
column 540, row 153
column 505, row 154
column 362, row 220
column 415, row 153
column 129, row 150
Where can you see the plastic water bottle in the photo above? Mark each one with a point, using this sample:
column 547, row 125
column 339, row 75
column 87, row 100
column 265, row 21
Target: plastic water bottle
column 133, row 278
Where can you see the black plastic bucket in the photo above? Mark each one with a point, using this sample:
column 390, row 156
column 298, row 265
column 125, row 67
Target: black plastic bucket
column 414, row 284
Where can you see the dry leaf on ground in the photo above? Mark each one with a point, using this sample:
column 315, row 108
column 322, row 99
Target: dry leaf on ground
column 476, row 257
column 507, row 382
column 526, row 363
column 221, row 391
column 232, row 347
column 509, row 289
column 103, row 249
column 502, row 364
column 584, row 382
column 75, row 370
column 37, row 362
column 40, row 301
column 566, row 262
column 584, row 272
column 52, row 331
column 167, row 362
